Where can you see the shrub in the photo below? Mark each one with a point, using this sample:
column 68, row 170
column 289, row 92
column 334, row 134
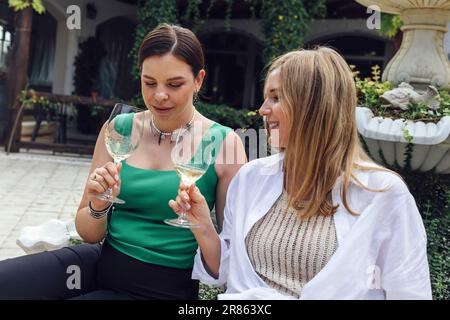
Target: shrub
column 432, row 194
column 230, row 117
column 207, row 292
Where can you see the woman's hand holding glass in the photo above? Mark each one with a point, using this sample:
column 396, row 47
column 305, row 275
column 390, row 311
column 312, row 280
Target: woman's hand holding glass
column 191, row 201
column 101, row 179
column 123, row 133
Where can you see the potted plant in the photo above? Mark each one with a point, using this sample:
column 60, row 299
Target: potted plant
column 403, row 128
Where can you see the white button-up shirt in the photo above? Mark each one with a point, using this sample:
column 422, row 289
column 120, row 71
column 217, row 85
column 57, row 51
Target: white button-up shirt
column 381, row 252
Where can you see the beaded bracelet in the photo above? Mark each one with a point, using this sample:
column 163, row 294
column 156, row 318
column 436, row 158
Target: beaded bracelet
column 96, row 214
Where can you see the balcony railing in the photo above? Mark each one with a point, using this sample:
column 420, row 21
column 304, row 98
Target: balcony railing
column 58, row 105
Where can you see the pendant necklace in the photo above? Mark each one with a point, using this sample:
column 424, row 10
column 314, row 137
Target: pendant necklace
column 173, row 135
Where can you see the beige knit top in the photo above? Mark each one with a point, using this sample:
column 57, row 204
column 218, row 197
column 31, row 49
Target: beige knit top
column 287, row 251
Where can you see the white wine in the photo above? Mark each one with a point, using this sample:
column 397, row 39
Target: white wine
column 119, row 147
column 188, row 174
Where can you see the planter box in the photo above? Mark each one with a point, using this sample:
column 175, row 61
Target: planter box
column 385, row 138
column 46, row 128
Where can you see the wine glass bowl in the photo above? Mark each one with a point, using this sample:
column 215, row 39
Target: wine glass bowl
column 191, row 160
column 123, row 133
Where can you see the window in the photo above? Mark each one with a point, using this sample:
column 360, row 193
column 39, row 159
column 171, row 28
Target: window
column 5, row 44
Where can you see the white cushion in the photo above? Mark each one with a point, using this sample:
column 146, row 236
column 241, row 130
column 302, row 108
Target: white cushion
column 51, row 235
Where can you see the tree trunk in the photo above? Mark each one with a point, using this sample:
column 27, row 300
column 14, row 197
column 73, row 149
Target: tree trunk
column 17, row 74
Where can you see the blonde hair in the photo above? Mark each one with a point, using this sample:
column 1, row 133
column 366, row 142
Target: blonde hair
column 318, row 96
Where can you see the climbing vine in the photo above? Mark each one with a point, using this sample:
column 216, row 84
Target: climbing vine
column 149, row 15
column 391, row 24
column 285, row 23
column 191, row 18
column 19, row 5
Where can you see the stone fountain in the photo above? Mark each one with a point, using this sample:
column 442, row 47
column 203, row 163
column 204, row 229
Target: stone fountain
column 420, row 64
column 421, row 60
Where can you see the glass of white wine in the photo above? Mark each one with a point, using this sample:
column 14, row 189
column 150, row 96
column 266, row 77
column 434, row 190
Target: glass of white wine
column 191, row 160
column 123, row 133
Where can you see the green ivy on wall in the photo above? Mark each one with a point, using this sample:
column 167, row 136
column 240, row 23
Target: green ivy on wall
column 285, row 23
column 19, row 5
column 191, row 18
column 149, row 15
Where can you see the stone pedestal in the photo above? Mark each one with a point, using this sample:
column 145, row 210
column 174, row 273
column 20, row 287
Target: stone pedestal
column 421, row 60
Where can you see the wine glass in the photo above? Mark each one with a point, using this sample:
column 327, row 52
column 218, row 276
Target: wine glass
column 123, row 133
column 191, row 160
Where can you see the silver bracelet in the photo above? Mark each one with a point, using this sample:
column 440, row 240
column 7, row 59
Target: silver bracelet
column 96, row 214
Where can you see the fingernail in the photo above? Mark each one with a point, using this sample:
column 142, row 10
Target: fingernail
column 117, row 177
column 188, row 207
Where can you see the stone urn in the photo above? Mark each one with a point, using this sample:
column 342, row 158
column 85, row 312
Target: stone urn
column 386, row 142
column 421, row 60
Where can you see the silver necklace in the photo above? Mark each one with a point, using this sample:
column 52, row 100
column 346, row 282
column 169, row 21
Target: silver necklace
column 162, row 135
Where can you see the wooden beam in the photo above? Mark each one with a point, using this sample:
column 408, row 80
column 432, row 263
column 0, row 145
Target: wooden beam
column 78, row 100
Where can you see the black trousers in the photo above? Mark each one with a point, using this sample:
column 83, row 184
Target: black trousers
column 92, row 272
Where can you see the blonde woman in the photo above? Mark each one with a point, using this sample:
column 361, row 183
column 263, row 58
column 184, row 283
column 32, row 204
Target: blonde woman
column 319, row 220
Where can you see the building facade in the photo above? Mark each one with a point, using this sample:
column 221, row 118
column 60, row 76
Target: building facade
column 233, row 56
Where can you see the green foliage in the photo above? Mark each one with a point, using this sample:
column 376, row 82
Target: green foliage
column 432, row 194
column 207, row 292
column 370, row 89
column 191, row 17
column 406, row 134
column 285, row 23
column 230, row 117
column 74, row 242
column 149, row 15
column 19, row 5
column 29, row 102
column 390, row 24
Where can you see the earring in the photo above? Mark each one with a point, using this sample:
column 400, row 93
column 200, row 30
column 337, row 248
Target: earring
column 195, row 100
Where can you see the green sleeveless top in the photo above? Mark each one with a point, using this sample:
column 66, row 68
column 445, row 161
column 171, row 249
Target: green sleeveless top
column 137, row 227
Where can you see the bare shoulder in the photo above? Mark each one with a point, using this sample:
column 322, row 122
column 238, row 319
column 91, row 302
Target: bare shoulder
column 231, row 156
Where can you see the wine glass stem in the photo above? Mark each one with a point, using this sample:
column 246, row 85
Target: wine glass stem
column 110, row 190
column 184, row 213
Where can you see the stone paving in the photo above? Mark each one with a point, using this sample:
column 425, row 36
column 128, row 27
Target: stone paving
column 36, row 187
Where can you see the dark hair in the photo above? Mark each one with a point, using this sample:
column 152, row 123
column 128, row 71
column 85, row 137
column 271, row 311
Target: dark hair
column 171, row 39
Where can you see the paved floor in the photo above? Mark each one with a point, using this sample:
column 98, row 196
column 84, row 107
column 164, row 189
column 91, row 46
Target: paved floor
column 36, row 187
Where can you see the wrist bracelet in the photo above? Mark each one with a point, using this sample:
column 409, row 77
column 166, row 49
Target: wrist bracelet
column 96, row 214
